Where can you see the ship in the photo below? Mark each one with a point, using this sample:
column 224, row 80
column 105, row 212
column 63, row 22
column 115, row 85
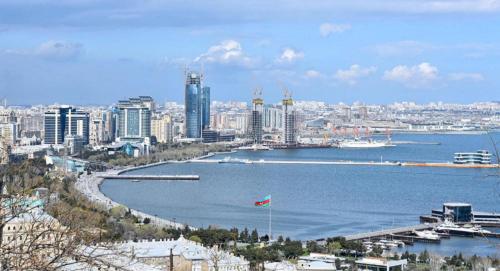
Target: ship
column 466, row 230
column 361, row 144
column 255, row 147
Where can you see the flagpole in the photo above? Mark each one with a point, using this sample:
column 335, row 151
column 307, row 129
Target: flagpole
column 270, row 212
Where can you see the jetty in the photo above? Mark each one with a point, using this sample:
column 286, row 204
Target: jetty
column 152, row 177
column 389, row 232
column 344, row 162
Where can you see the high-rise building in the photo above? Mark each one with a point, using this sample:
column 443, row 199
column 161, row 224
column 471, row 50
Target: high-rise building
column 256, row 119
column 192, row 105
column 62, row 121
column 205, row 107
column 289, row 129
column 197, row 106
column 134, row 119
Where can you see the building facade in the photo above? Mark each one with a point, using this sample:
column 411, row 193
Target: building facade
column 162, row 128
column 134, row 119
column 197, row 106
column 62, row 121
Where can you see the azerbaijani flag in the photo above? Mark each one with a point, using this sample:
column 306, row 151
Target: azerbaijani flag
column 265, row 202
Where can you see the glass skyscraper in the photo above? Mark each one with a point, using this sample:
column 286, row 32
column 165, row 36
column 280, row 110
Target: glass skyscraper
column 64, row 121
column 205, row 107
column 197, row 106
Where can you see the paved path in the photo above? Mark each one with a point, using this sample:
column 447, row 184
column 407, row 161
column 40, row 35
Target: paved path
column 89, row 186
column 366, row 235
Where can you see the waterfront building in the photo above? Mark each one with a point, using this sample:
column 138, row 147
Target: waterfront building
column 479, row 157
column 134, row 119
column 289, row 117
column 256, row 120
column 162, row 128
column 62, row 121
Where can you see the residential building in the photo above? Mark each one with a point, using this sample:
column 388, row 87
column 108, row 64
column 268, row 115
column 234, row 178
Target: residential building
column 289, row 117
column 256, row 128
column 162, row 128
column 8, row 133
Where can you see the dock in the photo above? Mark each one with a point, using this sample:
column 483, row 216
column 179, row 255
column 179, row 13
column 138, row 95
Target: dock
column 345, row 163
column 153, row 177
column 389, row 232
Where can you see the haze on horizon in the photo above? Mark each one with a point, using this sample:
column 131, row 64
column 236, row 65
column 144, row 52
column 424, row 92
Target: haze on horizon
column 380, row 51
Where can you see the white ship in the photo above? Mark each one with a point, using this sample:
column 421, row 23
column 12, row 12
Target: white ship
column 255, row 147
column 431, row 235
column 359, row 144
column 466, row 230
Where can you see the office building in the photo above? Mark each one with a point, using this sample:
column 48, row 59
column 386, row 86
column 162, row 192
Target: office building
column 289, row 129
column 62, row 121
column 134, row 119
column 256, row 119
column 197, row 106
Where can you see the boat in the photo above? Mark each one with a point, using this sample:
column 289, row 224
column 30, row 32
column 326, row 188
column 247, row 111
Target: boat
column 427, row 234
column 466, row 230
column 136, row 181
column 255, row 147
column 361, row 144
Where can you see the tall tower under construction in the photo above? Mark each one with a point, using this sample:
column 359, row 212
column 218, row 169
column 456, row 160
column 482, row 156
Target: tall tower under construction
column 289, row 131
column 258, row 104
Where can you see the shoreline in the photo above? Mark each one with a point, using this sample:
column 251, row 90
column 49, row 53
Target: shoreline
column 90, row 187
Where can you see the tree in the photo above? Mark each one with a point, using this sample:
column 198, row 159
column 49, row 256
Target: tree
column 254, row 237
column 424, row 256
column 244, row 237
column 146, row 220
column 195, row 238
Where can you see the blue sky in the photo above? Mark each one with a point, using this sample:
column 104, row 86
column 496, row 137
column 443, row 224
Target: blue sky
column 378, row 51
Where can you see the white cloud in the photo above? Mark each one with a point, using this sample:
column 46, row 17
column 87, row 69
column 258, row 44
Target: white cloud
column 59, row 50
column 226, row 52
column 465, row 77
column 327, row 29
column 312, row 74
column 354, row 73
column 413, row 76
column 289, row 55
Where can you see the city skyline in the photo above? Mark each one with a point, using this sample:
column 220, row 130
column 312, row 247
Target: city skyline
column 377, row 52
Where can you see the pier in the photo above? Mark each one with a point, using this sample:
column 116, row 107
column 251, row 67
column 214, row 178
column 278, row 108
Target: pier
column 389, row 232
column 152, row 177
column 342, row 162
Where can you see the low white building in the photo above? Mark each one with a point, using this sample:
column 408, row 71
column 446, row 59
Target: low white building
column 381, row 264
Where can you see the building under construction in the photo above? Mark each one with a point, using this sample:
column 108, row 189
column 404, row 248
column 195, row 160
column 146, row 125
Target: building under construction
column 289, row 129
column 256, row 129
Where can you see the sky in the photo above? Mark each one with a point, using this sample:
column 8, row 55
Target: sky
column 374, row 51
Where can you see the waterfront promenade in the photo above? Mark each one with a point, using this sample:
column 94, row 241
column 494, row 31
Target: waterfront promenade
column 89, row 186
column 381, row 233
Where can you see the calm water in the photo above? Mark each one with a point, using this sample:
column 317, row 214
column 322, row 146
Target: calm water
column 315, row 201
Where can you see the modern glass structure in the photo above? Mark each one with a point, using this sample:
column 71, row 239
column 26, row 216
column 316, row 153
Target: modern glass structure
column 63, row 121
column 192, row 108
column 197, row 106
column 457, row 212
column 205, row 107
column 134, row 119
